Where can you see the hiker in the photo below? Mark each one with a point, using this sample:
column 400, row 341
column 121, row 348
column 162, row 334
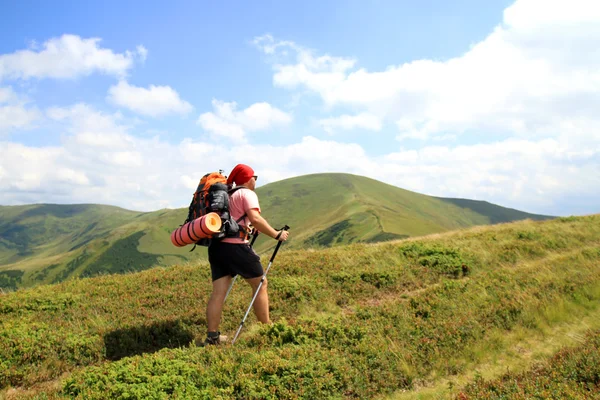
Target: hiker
column 234, row 256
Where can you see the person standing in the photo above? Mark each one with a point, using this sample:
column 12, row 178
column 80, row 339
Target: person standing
column 234, row 256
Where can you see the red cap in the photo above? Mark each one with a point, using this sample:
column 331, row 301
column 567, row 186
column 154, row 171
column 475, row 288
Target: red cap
column 240, row 174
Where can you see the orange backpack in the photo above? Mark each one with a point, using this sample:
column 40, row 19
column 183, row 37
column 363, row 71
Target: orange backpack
column 201, row 202
column 212, row 195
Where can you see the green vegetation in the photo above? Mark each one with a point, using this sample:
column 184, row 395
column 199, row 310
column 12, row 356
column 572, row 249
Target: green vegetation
column 52, row 243
column 123, row 256
column 494, row 213
column 355, row 321
column 10, row 279
column 573, row 373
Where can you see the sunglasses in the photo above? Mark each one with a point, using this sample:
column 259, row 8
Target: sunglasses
column 255, row 177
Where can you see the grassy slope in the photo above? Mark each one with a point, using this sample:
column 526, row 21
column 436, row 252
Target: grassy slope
column 493, row 212
column 313, row 204
column 49, row 230
column 49, row 243
column 52, row 242
column 350, row 321
column 572, row 373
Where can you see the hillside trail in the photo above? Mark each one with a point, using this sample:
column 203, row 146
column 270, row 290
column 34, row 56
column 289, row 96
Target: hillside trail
column 536, row 263
column 522, row 350
column 49, row 388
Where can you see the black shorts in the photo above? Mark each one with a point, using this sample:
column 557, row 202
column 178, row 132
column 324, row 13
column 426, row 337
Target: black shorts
column 233, row 259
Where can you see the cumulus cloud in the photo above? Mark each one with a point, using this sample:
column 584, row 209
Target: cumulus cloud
column 156, row 101
column 535, row 71
column 6, row 94
column 17, row 117
column 99, row 160
column 95, row 162
column 348, row 122
column 318, row 73
column 68, row 56
column 83, row 120
column 227, row 122
column 14, row 114
column 148, row 174
column 524, row 174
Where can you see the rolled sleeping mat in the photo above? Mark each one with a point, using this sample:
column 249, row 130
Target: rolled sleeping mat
column 202, row 227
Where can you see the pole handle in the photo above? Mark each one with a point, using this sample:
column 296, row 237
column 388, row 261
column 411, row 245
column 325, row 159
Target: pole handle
column 285, row 228
column 254, row 236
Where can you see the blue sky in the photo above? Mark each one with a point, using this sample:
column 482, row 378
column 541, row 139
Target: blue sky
column 129, row 103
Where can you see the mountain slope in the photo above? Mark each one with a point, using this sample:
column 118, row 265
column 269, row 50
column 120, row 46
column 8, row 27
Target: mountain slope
column 327, row 209
column 49, row 243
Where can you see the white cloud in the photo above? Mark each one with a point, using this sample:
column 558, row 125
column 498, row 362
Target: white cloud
column 218, row 126
column 142, row 52
column 68, row 56
column 97, row 139
column 83, row 120
column 348, row 122
column 32, row 171
column 227, row 122
column 6, row 94
column 14, row 115
column 100, row 161
column 318, row 73
column 536, row 72
column 148, row 174
column 156, row 101
column 523, row 174
column 17, row 117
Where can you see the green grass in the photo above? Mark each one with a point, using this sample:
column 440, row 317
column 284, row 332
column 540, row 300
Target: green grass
column 358, row 321
column 573, row 373
column 51, row 243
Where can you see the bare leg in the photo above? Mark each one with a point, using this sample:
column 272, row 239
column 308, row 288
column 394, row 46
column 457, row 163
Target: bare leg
column 214, row 307
column 261, row 304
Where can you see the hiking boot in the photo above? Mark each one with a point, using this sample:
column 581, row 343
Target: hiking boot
column 212, row 338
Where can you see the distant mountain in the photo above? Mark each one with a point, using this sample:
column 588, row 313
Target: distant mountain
column 329, row 209
column 48, row 243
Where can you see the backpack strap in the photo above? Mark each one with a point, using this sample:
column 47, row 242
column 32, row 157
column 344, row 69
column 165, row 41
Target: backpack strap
column 232, row 191
column 235, row 189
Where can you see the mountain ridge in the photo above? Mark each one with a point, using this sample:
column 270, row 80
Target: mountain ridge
column 49, row 243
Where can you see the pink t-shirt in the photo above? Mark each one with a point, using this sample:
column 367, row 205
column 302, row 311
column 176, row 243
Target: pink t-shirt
column 240, row 202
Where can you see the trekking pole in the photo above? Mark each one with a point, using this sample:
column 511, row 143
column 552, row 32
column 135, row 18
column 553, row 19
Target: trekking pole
column 235, row 277
column 285, row 228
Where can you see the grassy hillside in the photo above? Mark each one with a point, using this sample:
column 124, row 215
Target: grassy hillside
column 50, row 243
column 573, row 373
column 443, row 316
column 329, row 209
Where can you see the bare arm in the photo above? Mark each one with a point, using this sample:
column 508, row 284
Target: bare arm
column 263, row 226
